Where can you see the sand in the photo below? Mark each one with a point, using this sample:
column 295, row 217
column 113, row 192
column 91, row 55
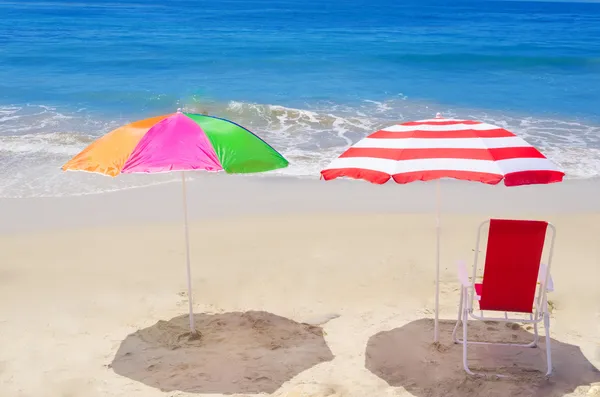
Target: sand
column 300, row 289
column 260, row 352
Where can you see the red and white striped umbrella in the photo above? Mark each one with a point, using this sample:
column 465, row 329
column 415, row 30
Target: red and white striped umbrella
column 444, row 148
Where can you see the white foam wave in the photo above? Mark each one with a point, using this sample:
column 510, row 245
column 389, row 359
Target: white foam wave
column 50, row 143
column 36, row 140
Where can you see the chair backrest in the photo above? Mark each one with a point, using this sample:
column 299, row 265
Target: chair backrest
column 514, row 252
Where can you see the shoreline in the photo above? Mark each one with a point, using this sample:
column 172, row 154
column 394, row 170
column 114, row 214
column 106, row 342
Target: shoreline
column 308, row 138
column 230, row 196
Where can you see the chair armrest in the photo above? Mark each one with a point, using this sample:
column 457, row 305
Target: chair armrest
column 463, row 276
column 542, row 277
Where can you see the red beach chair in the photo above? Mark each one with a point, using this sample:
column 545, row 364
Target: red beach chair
column 511, row 274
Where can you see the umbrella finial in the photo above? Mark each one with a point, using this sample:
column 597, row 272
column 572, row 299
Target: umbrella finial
column 438, row 115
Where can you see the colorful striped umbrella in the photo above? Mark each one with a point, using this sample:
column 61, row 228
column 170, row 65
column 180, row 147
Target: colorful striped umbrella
column 178, row 142
column 444, row 148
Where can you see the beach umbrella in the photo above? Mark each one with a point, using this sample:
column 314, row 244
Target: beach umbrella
column 178, row 142
column 444, row 148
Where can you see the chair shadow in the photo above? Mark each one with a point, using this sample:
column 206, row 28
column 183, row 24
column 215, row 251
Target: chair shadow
column 407, row 357
column 237, row 352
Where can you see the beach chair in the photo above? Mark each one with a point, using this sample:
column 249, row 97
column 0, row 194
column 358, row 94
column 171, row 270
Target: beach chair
column 512, row 273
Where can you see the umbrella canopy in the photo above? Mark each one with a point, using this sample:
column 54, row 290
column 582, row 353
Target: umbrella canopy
column 444, row 148
column 178, row 142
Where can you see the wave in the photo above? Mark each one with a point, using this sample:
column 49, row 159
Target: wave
column 36, row 140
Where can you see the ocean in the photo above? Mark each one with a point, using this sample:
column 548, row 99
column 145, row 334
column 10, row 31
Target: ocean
column 310, row 77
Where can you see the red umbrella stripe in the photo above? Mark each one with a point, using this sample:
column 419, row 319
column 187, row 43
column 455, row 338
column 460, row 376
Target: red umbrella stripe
column 444, row 148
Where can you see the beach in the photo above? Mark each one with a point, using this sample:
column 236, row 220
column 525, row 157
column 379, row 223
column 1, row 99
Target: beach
column 301, row 287
column 339, row 274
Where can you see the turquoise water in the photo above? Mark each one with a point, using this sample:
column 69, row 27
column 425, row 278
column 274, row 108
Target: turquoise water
column 311, row 77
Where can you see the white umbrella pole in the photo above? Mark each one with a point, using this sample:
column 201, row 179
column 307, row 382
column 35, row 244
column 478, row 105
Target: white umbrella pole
column 437, row 260
column 187, row 254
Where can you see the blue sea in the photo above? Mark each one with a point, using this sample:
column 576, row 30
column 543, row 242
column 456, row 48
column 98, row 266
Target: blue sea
column 311, row 77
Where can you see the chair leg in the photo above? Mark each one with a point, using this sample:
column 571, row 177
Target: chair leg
column 548, row 347
column 536, row 336
column 465, row 318
column 460, row 309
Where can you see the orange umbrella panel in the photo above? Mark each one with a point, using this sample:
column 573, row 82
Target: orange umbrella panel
column 108, row 154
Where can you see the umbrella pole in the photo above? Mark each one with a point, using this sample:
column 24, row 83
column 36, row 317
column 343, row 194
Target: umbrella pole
column 187, row 254
column 437, row 259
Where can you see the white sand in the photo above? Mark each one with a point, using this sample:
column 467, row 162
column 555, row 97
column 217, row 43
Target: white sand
column 80, row 276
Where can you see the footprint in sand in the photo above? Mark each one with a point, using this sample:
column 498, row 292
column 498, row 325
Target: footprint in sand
column 513, row 326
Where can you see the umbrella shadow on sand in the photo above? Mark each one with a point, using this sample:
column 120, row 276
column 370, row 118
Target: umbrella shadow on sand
column 407, row 357
column 237, row 352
